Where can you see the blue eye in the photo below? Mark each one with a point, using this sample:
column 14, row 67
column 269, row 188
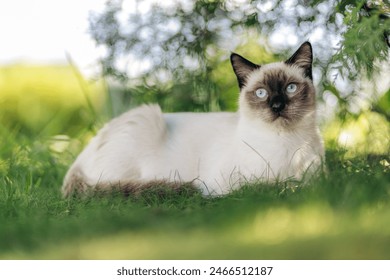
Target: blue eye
column 261, row 93
column 291, row 88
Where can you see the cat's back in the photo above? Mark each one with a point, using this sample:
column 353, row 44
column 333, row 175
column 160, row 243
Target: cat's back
column 150, row 123
column 200, row 124
column 145, row 132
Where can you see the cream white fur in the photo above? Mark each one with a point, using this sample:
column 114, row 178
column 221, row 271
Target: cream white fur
column 216, row 151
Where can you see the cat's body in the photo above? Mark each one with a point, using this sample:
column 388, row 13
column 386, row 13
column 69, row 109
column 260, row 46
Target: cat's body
column 216, row 152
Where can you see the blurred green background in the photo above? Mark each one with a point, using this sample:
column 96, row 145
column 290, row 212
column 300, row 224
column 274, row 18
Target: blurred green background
column 177, row 55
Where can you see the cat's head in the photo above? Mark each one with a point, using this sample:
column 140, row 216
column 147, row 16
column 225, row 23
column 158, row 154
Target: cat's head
column 280, row 93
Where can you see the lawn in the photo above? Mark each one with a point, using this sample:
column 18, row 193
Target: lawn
column 343, row 214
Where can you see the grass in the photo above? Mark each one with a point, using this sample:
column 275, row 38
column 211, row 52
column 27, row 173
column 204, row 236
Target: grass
column 344, row 214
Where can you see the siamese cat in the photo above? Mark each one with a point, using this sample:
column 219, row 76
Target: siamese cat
column 272, row 137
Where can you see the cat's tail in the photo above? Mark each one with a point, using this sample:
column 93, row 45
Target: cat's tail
column 75, row 185
column 139, row 133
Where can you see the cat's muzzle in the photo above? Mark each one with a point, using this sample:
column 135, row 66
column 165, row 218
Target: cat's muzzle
column 277, row 107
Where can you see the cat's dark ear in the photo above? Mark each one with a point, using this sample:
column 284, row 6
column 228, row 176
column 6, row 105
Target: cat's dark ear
column 242, row 67
column 303, row 58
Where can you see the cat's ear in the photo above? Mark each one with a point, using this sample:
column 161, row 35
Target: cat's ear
column 303, row 58
column 242, row 67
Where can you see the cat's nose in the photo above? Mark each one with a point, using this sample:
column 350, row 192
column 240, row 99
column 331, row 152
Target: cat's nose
column 277, row 106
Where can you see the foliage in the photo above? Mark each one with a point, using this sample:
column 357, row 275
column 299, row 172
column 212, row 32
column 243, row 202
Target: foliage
column 182, row 41
column 365, row 41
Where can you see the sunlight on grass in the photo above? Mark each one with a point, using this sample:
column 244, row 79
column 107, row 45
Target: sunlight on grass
column 279, row 224
column 310, row 231
column 368, row 134
column 35, row 97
